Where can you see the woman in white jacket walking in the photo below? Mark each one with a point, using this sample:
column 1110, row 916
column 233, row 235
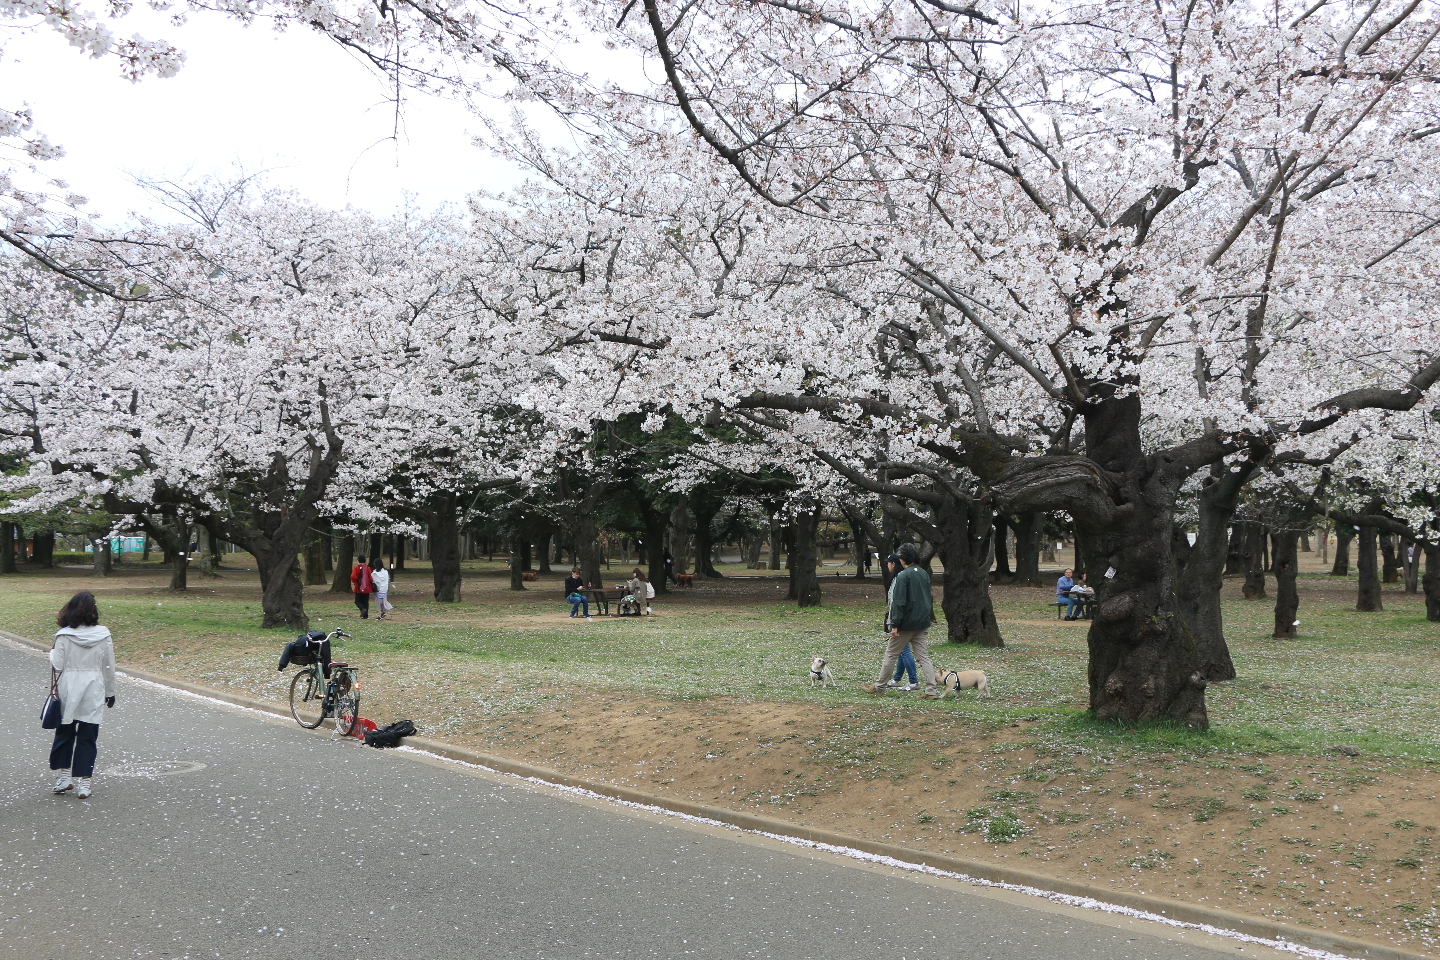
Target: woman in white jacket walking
column 84, row 655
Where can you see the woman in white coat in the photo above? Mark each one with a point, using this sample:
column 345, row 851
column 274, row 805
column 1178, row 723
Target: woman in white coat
column 84, row 654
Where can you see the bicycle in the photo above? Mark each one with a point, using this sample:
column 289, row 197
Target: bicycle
column 314, row 699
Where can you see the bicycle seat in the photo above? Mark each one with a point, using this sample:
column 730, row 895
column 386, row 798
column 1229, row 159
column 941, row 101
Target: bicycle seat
column 338, row 665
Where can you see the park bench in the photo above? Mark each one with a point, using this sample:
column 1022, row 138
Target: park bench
column 1085, row 609
column 600, row 601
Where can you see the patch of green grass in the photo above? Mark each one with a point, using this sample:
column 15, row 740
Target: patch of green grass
column 1364, row 680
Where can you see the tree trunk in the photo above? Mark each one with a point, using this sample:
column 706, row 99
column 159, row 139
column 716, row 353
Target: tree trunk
column 859, row 538
column 587, row 549
column 180, row 569
column 1410, row 560
column 315, row 559
column 680, row 535
column 1432, row 582
column 752, row 552
column 212, row 555
column 7, row 547
column 327, row 543
column 1028, row 528
column 655, row 524
column 1235, row 555
column 282, row 593
column 1287, row 597
column 1344, row 533
column 376, row 547
column 1369, row 597
column 1201, row 571
column 1003, row 573
column 705, row 543
column 517, row 569
column 397, row 556
column 1391, row 572
column 804, row 584
column 1144, row 664
column 42, row 550
column 527, row 555
column 963, row 543
column 542, row 551
column 1254, row 588
column 344, row 560
column 1305, row 542
column 101, row 546
column 444, row 520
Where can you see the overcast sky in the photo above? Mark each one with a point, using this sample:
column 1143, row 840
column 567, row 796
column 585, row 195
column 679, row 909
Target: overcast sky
column 293, row 103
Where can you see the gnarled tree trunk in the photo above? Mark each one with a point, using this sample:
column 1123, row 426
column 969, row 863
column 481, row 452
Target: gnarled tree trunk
column 1145, row 662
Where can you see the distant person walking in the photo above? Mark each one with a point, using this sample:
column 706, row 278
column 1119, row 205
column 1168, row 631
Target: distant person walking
column 84, row 656
column 911, row 604
column 381, row 579
column 906, row 664
column 363, row 584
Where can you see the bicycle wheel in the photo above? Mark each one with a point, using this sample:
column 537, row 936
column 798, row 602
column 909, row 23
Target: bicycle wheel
column 307, row 698
column 347, row 712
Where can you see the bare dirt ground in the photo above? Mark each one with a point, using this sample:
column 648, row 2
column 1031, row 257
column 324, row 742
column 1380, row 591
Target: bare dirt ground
column 1341, row 843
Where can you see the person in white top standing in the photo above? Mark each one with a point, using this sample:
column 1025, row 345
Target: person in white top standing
column 84, row 656
column 381, row 578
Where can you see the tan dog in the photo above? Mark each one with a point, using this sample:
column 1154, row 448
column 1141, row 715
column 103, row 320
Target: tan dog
column 956, row 680
column 820, row 673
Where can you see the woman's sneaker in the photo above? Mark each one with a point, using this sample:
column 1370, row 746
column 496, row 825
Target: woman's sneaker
column 82, row 787
column 65, row 782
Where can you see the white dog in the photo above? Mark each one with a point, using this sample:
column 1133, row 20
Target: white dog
column 956, row 680
column 820, row 674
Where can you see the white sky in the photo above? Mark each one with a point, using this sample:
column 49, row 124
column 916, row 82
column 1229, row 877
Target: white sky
column 293, row 103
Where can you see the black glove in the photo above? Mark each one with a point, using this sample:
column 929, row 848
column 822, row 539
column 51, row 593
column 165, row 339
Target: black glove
column 109, row 701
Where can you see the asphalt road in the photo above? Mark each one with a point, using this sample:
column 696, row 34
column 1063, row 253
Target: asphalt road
column 216, row 832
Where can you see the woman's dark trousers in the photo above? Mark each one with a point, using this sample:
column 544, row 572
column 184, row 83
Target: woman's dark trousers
column 74, row 748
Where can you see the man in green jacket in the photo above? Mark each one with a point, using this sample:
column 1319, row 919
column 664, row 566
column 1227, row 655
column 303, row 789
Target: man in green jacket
column 910, row 606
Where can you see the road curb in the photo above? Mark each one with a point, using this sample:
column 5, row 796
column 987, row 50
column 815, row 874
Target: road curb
column 1175, row 910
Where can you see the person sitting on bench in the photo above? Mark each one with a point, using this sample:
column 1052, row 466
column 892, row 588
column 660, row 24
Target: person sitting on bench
column 1063, row 586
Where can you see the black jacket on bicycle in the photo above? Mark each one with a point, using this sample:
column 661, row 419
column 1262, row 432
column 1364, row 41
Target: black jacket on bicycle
column 307, row 649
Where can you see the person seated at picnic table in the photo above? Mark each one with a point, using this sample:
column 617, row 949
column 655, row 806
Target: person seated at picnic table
column 633, row 594
column 1063, row 586
column 575, row 594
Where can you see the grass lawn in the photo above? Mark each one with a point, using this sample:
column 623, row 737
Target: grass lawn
column 711, row 700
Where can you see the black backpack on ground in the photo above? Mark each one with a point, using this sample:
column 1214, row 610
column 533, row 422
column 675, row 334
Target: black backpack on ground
column 390, row 736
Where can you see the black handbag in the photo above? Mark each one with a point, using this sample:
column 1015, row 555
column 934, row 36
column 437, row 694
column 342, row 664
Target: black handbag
column 51, row 713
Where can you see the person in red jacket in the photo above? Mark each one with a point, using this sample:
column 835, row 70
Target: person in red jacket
column 363, row 585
